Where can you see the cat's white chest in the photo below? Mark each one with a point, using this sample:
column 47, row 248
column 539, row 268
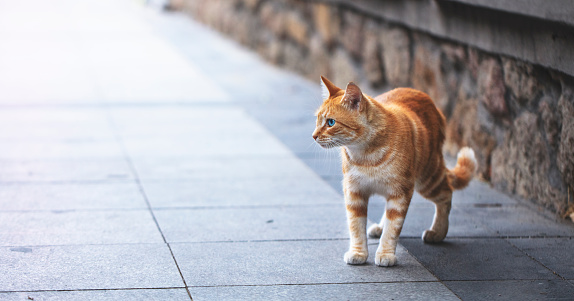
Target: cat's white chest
column 374, row 180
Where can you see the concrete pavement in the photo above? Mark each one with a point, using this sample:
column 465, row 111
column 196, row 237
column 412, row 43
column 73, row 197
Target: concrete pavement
column 145, row 157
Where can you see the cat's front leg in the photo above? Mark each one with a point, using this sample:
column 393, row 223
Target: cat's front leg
column 393, row 219
column 356, row 205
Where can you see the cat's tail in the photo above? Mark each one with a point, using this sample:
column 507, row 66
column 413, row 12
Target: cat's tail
column 462, row 173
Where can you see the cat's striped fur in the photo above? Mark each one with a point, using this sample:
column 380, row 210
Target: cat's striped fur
column 391, row 145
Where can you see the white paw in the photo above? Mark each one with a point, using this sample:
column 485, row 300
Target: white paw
column 352, row 257
column 430, row 236
column 375, row 231
column 385, row 260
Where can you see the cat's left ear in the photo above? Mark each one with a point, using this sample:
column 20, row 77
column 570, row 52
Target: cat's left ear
column 353, row 98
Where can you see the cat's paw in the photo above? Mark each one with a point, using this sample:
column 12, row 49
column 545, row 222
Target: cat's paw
column 430, row 236
column 385, row 260
column 375, row 231
column 352, row 257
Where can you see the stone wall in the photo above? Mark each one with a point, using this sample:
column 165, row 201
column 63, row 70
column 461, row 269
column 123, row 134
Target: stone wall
column 517, row 116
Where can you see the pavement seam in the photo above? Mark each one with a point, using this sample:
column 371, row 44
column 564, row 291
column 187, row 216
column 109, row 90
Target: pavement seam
column 536, row 260
column 96, row 289
column 431, row 272
column 144, row 195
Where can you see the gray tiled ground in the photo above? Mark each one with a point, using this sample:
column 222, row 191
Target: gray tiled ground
column 355, row 291
column 254, row 192
column 88, row 267
column 286, row 262
column 65, row 170
column 476, row 259
column 69, row 196
column 517, row 221
column 101, row 295
column 550, row 252
column 512, row 290
column 248, row 224
column 68, row 227
column 222, row 168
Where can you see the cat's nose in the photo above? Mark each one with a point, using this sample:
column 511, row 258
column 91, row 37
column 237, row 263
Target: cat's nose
column 315, row 137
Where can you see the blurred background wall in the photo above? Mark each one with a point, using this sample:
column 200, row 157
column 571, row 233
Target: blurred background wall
column 501, row 71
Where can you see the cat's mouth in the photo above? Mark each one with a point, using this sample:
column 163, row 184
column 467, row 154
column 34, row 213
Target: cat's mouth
column 326, row 144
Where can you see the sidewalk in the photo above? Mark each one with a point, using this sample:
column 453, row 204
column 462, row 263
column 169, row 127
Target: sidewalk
column 145, row 157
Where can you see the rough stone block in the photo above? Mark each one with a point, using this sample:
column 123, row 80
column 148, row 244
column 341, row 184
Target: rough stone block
column 396, row 43
column 272, row 18
column 297, row 28
column 522, row 164
column 491, row 87
column 352, row 34
column 327, row 22
column 372, row 64
column 565, row 158
column 344, row 69
column 427, row 75
column 520, row 79
column 319, row 58
column 551, row 120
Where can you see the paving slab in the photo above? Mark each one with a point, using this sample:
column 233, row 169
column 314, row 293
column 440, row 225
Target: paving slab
column 69, row 196
column 480, row 194
column 356, row 291
column 222, row 168
column 79, row 170
column 143, row 68
column 65, row 124
column 554, row 253
column 218, row 131
column 476, row 259
column 174, row 294
column 255, row 192
column 420, row 219
column 167, row 119
column 512, row 290
column 88, row 267
column 67, row 149
column 78, row 227
column 249, row 224
column 286, row 262
column 518, row 221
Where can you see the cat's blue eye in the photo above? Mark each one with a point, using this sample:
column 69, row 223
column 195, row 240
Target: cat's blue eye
column 330, row 122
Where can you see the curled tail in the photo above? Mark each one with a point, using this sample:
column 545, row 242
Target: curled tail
column 462, row 173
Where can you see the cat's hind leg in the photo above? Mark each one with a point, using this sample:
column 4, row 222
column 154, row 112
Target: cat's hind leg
column 375, row 230
column 441, row 196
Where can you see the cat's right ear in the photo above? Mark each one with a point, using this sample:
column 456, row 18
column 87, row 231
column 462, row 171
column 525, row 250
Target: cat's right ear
column 328, row 88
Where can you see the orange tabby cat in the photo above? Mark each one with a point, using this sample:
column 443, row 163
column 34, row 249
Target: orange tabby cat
column 391, row 145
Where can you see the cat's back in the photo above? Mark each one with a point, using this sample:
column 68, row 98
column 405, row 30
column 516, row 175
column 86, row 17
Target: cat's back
column 408, row 98
column 416, row 102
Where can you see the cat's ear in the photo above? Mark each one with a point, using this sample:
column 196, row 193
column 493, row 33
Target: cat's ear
column 353, row 98
column 328, row 89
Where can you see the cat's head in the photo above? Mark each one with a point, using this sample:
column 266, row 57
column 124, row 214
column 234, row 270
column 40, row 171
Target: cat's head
column 341, row 119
